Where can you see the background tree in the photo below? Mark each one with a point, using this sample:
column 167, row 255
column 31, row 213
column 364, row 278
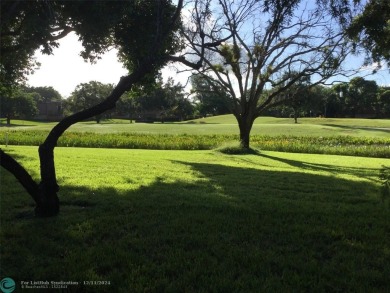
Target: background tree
column 383, row 105
column 87, row 95
column 178, row 106
column 167, row 101
column 361, row 96
column 210, row 98
column 246, row 46
column 45, row 93
column 127, row 105
column 297, row 94
column 18, row 103
column 143, row 51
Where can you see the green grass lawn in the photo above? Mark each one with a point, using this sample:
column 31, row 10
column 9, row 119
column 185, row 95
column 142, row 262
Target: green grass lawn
column 201, row 221
column 226, row 124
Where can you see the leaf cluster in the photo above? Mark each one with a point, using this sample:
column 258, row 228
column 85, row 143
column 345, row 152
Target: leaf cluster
column 371, row 30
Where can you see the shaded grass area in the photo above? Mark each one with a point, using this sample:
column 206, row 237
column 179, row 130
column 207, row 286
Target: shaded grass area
column 340, row 145
column 175, row 221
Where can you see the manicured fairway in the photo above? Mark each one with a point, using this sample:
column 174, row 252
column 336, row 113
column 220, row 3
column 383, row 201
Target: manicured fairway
column 355, row 137
column 201, row 221
column 226, row 124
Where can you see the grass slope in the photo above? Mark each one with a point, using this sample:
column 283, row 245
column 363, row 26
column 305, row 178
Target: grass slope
column 200, row 221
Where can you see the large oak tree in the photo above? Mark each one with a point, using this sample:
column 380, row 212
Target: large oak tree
column 249, row 49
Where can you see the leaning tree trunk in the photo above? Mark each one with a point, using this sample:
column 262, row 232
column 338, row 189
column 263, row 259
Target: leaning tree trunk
column 45, row 193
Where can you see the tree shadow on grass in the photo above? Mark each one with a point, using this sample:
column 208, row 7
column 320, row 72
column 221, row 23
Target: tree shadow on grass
column 12, row 125
column 234, row 229
column 359, row 172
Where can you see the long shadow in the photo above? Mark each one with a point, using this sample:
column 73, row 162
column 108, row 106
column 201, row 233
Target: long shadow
column 366, row 128
column 234, row 229
column 360, row 172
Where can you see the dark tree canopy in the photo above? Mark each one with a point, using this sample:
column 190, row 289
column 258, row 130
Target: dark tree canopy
column 25, row 27
column 130, row 26
column 371, row 30
column 361, row 95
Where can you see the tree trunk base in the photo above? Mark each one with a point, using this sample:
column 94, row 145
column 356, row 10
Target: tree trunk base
column 49, row 208
column 48, row 204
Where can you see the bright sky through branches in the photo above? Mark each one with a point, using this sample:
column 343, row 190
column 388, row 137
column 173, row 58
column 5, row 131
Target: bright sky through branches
column 66, row 69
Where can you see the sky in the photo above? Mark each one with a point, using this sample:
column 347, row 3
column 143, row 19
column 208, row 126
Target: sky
column 65, row 69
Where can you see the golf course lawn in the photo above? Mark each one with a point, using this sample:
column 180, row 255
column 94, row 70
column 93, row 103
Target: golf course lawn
column 201, row 221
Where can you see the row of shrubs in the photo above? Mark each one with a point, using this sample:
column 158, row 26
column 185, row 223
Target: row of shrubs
column 340, row 145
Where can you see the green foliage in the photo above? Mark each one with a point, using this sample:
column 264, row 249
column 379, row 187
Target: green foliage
column 383, row 105
column 361, row 95
column 45, row 93
column 87, row 95
column 25, row 27
column 218, row 68
column 231, row 53
column 140, row 23
column 258, row 50
column 210, row 98
column 17, row 103
column 165, row 101
column 371, row 29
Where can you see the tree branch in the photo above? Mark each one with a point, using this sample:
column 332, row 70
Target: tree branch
column 10, row 164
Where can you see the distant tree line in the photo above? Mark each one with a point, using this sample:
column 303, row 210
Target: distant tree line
column 356, row 98
column 159, row 101
column 156, row 101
